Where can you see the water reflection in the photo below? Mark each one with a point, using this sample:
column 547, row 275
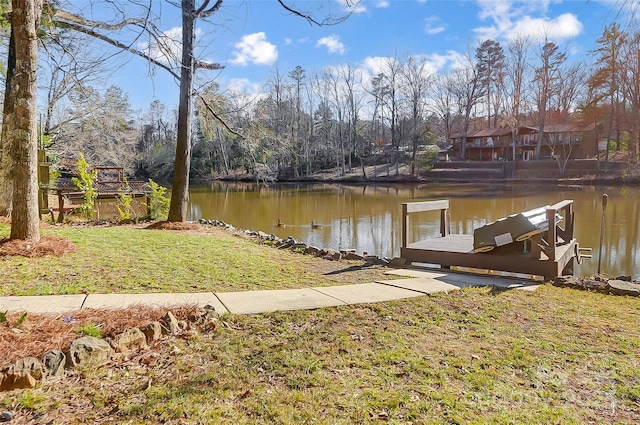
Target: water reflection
column 367, row 217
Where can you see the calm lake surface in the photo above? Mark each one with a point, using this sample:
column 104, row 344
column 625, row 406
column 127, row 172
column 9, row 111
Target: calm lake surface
column 367, row 218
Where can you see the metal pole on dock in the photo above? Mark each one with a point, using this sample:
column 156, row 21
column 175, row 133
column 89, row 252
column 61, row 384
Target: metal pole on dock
column 605, row 198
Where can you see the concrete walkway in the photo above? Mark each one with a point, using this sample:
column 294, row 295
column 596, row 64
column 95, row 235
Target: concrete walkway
column 416, row 283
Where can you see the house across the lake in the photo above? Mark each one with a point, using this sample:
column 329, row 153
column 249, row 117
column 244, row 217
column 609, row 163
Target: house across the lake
column 519, row 144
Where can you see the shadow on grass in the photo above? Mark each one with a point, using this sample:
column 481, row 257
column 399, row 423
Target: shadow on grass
column 350, row 269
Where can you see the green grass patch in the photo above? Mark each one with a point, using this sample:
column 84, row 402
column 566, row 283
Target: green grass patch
column 134, row 260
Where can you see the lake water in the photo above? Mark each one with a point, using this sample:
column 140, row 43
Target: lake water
column 367, row 218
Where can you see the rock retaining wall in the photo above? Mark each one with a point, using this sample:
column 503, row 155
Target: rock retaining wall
column 621, row 285
column 291, row 244
column 91, row 352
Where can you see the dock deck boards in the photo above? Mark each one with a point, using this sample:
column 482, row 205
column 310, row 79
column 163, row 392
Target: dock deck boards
column 457, row 249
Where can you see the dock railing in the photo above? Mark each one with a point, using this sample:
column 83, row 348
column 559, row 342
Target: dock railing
column 557, row 235
column 416, row 207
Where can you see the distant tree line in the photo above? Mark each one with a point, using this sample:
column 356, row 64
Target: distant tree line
column 306, row 121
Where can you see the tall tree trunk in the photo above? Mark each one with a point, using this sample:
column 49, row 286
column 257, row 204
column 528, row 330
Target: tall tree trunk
column 180, row 187
column 8, row 123
column 25, row 217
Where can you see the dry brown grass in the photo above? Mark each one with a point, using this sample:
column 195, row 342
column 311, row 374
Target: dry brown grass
column 43, row 332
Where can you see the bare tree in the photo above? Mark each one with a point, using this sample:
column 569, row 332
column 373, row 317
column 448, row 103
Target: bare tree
column 516, row 71
column 547, row 76
column 443, row 105
column 392, row 76
column 188, row 65
column 630, row 76
column 416, row 78
column 351, row 81
column 606, row 79
column 298, row 76
column 69, row 62
column 570, row 90
column 333, row 82
column 467, row 91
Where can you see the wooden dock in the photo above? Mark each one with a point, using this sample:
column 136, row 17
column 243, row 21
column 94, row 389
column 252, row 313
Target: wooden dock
column 547, row 254
column 110, row 185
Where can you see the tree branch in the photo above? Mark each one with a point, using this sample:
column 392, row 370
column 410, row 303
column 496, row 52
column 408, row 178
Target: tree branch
column 118, row 44
column 326, row 22
column 220, row 120
column 203, row 12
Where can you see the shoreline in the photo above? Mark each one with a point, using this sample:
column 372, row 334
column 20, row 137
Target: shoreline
column 618, row 174
column 617, row 180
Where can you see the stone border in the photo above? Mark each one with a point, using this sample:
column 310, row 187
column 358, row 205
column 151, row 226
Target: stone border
column 296, row 246
column 91, row 352
column 621, row 285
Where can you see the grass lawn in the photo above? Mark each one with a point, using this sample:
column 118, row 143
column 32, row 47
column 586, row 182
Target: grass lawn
column 475, row 356
column 130, row 259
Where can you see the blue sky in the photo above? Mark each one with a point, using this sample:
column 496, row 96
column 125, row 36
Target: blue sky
column 254, row 38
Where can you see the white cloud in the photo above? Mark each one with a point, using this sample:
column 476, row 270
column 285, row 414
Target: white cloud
column 383, row 4
column 254, row 49
column 563, row 27
column 525, row 18
column 433, row 26
column 374, row 65
column 332, row 43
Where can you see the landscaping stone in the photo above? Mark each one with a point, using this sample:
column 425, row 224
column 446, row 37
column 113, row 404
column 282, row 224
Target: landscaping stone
column 352, row 256
column 593, row 285
column 209, row 318
column 6, row 416
column 130, row 340
column 312, row 250
column 332, row 255
column 170, row 325
column 290, row 243
column 89, row 351
column 54, row 362
column 621, row 287
column 29, row 365
column 12, row 379
column 567, row 281
column 152, row 331
column 398, row 262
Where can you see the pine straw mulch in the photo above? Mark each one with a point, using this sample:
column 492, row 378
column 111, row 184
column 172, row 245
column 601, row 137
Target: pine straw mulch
column 47, row 245
column 40, row 333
